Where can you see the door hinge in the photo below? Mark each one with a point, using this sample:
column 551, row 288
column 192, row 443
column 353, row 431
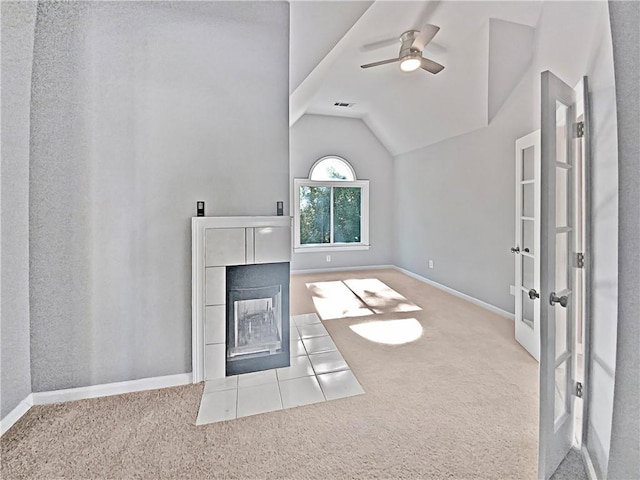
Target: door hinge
column 579, row 260
column 579, row 129
column 579, row 389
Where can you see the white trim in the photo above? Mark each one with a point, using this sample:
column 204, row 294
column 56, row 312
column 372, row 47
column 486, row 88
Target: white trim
column 241, row 222
column 340, row 269
column 16, row 414
column 475, row 301
column 197, row 299
column 336, row 247
column 588, row 464
column 107, row 389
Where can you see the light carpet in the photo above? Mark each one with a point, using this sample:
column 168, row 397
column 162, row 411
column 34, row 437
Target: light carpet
column 458, row 402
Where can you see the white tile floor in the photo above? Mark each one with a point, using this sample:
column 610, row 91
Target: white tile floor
column 317, row 373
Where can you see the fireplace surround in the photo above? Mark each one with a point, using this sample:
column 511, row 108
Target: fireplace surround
column 256, row 250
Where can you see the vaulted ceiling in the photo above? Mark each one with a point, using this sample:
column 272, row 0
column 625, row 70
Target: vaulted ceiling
column 485, row 47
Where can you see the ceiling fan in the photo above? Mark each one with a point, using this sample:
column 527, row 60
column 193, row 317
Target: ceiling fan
column 410, row 57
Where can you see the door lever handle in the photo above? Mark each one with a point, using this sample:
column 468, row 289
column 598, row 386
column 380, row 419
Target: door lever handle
column 515, row 249
column 563, row 300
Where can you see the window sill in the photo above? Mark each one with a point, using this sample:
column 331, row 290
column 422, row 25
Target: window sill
column 330, row 248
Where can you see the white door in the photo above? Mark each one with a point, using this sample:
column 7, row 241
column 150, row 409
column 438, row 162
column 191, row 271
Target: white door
column 527, row 245
column 558, row 120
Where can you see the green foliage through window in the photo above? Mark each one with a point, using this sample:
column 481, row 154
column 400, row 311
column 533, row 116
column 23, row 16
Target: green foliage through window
column 315, row 214
column 346, row 214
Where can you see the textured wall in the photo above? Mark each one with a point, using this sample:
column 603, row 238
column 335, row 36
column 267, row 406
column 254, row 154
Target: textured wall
column 316, row 136
column 139, row 110
column 18, row 23
column 624, row 460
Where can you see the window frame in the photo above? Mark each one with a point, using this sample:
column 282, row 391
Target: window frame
column 333, row 246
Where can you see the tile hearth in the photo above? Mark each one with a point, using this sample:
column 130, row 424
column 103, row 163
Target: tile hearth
column 317, row 373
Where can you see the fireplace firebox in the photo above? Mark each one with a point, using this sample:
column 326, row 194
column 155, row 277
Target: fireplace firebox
column 257, row 317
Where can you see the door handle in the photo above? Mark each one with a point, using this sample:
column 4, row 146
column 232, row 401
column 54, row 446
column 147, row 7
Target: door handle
column 515, row 250
column 533, row 294
column 563, row 300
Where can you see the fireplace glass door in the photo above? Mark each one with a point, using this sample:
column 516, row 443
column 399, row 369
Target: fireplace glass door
column 257, row 321
column 257, row 317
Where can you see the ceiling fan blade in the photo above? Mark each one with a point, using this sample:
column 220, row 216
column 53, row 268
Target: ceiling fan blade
column 427, row 12
column 431, row 66
column 382, row 62
column 379, row 44
column 425, row 36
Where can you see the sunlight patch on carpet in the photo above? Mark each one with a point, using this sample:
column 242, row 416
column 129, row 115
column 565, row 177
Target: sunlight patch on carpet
column 379, row 297
column 390, row 332
column 357, row 298
column 335, row 300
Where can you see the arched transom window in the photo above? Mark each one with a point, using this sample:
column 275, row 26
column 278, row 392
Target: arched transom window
column 332, row 168
column 331, row 208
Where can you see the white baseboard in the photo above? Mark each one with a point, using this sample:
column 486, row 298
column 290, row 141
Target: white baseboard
column 468, row 298
column 16, row 414
column 105, row 390
column 340, row 269
column 588, row 464
column 93, row 391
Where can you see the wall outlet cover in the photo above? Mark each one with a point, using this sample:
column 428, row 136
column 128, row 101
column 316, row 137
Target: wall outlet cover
column 328, row 258
column 430, row 263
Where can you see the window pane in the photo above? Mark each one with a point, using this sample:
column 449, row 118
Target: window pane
column 315, row 214
column 331, row 168
column 528, row 164
column 346, row 215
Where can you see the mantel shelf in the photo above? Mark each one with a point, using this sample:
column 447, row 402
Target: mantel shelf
column 241, row 222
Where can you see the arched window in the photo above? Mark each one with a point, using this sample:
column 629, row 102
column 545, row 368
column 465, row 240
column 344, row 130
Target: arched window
column 331, row 208
column 332, row 168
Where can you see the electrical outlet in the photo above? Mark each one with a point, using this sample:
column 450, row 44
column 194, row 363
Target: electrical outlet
column 512, row 290
column 430, row 263
column 328, row 258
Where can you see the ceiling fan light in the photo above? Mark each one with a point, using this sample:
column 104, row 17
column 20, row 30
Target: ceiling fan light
column 410, row 64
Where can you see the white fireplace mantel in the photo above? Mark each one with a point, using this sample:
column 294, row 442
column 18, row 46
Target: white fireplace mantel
column 218, row 242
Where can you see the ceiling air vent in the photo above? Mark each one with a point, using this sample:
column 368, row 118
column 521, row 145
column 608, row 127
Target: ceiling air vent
column 343, row 104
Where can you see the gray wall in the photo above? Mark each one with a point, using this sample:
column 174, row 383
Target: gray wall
column 455, row 199
column 454, row 205
column 624, row 460
column 316, row 136
column 139, row 110
column 18, row 23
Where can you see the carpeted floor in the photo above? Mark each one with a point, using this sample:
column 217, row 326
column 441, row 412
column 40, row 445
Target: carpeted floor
column 459, row 402
column 571, row 468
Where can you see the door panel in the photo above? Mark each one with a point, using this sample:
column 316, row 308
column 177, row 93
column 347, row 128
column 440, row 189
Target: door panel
column 527, row 263
column 556, row 273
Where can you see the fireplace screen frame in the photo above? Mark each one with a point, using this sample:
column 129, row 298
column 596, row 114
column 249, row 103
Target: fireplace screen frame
column 244, row 282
